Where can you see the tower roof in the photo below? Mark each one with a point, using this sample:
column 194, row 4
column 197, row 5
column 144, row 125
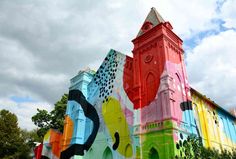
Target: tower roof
column 154, row 18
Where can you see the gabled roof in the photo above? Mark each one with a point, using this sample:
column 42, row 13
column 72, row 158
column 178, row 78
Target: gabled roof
column 104, row 77
column 153, row 17
column 210, row 101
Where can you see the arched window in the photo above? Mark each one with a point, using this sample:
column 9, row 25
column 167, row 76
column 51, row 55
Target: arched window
column 90, row 153
column 180, row 87
column 153, row 154
column 151, row 87
column 128, row 151
column 107, row 154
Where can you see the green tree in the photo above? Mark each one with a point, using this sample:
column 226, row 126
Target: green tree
column 58, row 113
column 54, row 119
column 30, row 138
column 12, row 144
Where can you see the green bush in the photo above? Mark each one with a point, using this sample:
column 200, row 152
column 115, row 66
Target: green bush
column 194, row 149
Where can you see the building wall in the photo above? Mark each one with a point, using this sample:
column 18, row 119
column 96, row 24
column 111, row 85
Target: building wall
column 141, row 107
column 164, row 99
column 125, row 131
column 52, row 145
column 77, row 125
column 115, row 110
column 217, row 127
column 137, row 138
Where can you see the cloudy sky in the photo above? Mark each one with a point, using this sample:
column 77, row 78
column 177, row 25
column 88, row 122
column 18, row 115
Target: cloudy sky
column 44, row 43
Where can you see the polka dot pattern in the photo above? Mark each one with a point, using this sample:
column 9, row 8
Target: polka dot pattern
column 106, row 74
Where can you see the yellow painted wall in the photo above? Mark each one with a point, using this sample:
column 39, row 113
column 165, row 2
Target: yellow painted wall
column 212, row 130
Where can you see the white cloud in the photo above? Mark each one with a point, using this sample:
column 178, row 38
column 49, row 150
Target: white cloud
column 228, row 15
column 45, row 43
column 24, row 111
column 212, row 68
column 20, row 77
column 187, row 17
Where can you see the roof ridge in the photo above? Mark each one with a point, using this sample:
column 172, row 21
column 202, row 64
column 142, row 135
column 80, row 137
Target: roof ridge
column 154, row 18
column 158, row 15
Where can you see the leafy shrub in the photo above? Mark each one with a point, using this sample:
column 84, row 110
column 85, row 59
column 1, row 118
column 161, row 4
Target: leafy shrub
column 194, row 149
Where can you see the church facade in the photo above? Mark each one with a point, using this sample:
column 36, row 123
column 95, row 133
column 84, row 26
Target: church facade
column 139, row 107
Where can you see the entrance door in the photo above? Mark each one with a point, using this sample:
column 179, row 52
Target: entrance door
column 153, row 154
column 107, row 154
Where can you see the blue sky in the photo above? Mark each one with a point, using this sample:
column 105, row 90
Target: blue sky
column 191, row 42
column 18, row 99
column 45, row 43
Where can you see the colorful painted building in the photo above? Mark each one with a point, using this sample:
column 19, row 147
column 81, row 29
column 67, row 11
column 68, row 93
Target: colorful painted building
column 140, row 107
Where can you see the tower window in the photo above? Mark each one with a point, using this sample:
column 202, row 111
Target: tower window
column 147, row 26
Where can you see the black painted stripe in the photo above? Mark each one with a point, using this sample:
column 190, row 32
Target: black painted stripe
column 117, row 141
column 187, row 105
column 91, row 113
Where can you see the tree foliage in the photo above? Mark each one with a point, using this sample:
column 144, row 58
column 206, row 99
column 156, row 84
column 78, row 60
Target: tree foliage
column 194, row 149
column 13, row 143
column 30, row 138
column 54, row 119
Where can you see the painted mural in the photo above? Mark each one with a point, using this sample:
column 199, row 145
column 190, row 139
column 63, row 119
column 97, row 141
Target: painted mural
column 139, row 107
column 217, row 126
column 38, row 151
column 51, row 145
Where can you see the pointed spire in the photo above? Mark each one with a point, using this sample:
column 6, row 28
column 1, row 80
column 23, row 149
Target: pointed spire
column 153, row 18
